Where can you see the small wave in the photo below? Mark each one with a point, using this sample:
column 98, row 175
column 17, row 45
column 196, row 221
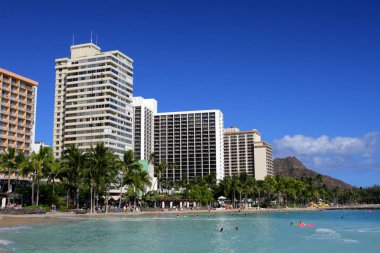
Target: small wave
column 363, row 230
column 5, row 242
column 14, row 229
column 350, row 241
column 329, row 234
column 325, row 230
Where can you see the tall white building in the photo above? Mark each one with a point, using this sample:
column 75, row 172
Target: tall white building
column 245, row 152
column 143, row 122
column 93, row 100
column 192, row 140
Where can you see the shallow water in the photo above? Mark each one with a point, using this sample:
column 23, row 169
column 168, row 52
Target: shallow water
column 357, row 231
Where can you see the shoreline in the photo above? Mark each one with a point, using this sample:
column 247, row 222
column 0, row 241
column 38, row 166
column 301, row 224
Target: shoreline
column 31, row 219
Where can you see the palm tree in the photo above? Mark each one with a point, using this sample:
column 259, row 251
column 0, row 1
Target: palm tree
column 139, row 180
column 258, row 187
column 101, row 167
column 11, row 162
column 269, row 186
column 162, row 166
column 235, row 186
column 29, row 168
column 54, row 173
column 74, row 162
column 225, row 186
column 172, row 167
column 128, row 163
column 245, row 185
column 44, row 162
column 21, row 160
column 280, row 188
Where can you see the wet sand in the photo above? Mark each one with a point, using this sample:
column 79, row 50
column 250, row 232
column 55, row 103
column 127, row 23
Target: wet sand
column 15, row 220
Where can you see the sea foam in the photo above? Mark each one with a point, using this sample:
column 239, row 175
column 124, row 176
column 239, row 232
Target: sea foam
column 5, row 242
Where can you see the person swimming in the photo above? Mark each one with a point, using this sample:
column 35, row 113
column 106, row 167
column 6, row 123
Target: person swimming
column 236, row 228
column 222, row 229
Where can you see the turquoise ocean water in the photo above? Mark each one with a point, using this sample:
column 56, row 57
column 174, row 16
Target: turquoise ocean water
column 357, row 231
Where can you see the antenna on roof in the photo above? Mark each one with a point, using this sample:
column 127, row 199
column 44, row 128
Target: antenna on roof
column 96, row 39
column 91, row 36
column 73, row 39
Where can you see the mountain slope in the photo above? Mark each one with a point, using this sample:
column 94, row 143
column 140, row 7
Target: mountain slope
column 292, row 167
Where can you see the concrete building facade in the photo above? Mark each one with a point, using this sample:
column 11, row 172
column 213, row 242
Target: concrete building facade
column 192, row 140
column 263, row 160
column 17, row 111
column 143, row 124
column 245, row 152
column 93, row 100
column 37, row 146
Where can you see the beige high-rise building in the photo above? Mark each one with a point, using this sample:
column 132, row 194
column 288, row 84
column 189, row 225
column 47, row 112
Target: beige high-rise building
column 17, row 111
column 93, row 100
column 263, row 160
column 245, row 152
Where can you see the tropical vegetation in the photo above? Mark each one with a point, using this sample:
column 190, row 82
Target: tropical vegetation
column 84, row 179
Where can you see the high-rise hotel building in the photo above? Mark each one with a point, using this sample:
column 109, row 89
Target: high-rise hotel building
column 143, row 124
column 192, row 140
column 263, row 160
column 245, row 152
column 17, row 111
column 93, row 100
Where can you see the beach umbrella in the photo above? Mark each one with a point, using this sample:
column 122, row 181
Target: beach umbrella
column 222, row 198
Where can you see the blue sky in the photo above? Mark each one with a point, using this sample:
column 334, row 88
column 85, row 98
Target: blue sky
column 305, row 73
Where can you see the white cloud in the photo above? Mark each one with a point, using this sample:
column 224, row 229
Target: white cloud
column 331, row 153
column 304, row 145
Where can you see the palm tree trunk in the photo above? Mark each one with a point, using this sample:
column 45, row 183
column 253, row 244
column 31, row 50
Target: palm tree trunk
column 77, row 196
column 234, row 198
column 53, row 187
column 33, row 192
column 258, row 202
column 240, row 201
column 9, row 189
column 107, row 197
column 38, row 191
column 121, row 192
column 67, row 199
column 159, row 181
column 91, row 198
column 16, row 183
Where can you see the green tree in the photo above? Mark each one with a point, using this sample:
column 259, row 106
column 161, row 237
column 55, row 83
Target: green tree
column 245, row 186
column 269, row 187
column 43, row 162
column 159, row 169
column 101, row 167
column 11, row 162
column 139, row 179
column 235, row 187
column 74, row 163
column 128, row 164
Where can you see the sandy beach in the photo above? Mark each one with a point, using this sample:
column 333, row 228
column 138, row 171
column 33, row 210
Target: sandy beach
column 15, row 220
